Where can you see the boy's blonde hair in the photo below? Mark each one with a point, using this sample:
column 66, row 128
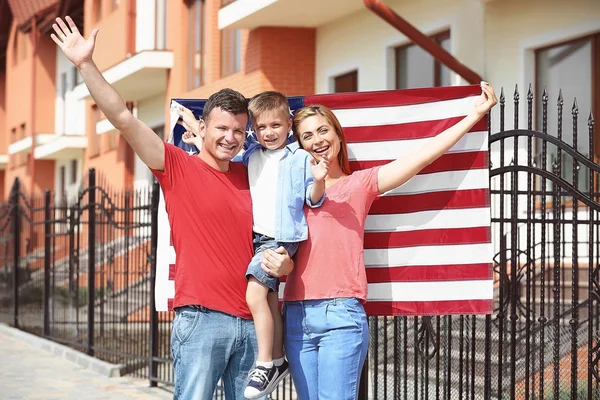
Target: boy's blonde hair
column 268, row 101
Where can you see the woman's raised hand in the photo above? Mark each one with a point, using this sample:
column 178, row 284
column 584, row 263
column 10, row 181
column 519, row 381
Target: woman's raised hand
column 77, row 49
column 486, row 101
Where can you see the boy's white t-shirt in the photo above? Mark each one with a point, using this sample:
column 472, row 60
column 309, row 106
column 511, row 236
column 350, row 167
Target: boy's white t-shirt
column 263, row 170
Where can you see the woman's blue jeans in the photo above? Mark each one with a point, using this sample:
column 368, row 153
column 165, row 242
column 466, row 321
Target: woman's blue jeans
column 326, row 344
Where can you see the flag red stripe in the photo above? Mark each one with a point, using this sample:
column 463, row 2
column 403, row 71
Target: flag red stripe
column 465, row 307
column 457, row 199
column 390, row 98
column 429, row 273
column 447, row 162
column 172, row 268
column 170, row 304
column 408, row 131
column 426, row 237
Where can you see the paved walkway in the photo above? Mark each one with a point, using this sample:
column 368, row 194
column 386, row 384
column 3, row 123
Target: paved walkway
column 28, row 372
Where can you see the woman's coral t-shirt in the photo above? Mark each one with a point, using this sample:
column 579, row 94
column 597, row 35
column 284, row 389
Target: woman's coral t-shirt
column 330, row 263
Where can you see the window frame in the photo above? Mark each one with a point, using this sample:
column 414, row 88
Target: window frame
column 437, row 66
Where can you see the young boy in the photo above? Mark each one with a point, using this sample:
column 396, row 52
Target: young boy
column 282, row 178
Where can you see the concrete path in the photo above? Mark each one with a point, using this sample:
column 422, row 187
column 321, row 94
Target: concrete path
column 27, row 371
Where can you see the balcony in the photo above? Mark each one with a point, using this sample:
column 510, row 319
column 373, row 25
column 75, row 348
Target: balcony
column 24, row 145
column 250, row 14
column 141, row 76
column 3, row 161
column 61, row 147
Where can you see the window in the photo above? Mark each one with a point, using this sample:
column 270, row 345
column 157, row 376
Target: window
column 569, row 67
column 97, row 11
column 114, row 4
column 417, row 68
column 160, row 40
column 160, row 131
column 62, row 188
column 15, row 49
column 63, row 95
column 23, row 45
column 346, row 83
column 13, row 134
column 231, row 51
column 195, row 43
column 94, row 143
column 76, row 77
column 23, row 156
column 113, row 140
column 73, row 170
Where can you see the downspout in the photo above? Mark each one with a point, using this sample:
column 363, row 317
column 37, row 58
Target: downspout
column 436, row 51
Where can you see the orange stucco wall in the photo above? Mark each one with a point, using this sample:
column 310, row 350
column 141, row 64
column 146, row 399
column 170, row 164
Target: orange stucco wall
column 18, row 103
column 268, row 62
column 115, row 36
column 36, row 112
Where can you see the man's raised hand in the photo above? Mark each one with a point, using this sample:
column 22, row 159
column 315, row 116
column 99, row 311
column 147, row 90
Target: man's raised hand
column 77, row 49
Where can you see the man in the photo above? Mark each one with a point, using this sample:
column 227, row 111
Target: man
column 210, row 214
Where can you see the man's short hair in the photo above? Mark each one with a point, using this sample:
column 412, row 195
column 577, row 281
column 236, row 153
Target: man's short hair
column 227, row 100
column 268, row 101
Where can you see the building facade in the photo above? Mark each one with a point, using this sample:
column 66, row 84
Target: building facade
column 151, row 51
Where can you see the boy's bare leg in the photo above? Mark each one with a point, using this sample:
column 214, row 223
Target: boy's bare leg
column 273, row 299
column 256, row 297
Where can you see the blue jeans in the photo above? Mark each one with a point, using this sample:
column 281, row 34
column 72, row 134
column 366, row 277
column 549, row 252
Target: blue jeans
column 207, row 346
column 326, row 344
column 261, row 243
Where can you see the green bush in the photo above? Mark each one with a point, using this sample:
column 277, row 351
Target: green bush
column 31, row 294
column 64, row 297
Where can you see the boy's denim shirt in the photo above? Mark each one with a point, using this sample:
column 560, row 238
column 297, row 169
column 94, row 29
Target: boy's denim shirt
column 294, row 167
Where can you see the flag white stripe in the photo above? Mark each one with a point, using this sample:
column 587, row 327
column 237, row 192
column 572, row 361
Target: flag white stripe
column 376, row 116
column 427, row 291
column 442, row 181
column 436, row 219
column 393, row 149
column 430, row 255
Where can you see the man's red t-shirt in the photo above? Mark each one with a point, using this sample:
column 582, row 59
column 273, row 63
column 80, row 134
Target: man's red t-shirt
column 210, row 214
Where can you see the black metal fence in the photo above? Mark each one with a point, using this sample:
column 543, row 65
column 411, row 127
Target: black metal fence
column 81, row 272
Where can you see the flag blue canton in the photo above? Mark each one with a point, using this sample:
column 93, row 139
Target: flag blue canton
column 197, row 106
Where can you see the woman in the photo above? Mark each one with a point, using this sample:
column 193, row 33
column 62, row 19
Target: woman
column 326, row 333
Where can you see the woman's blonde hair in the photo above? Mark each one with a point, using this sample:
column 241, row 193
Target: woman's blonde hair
column 325, row 112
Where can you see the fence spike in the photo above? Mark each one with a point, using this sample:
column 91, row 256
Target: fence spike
column 560, row 101
column 545, row 95
column 530, row 93
column 516, row 95
column 502, row 97
column 575, row 108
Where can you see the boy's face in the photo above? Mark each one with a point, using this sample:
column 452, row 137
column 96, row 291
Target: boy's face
column 272, row 129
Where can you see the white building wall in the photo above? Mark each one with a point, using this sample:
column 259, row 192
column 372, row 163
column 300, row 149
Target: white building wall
column 69, row 112
column 147, row 25
column 495, row 38
column 152, row 112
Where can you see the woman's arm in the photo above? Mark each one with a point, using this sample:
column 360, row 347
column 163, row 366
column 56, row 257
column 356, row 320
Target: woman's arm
column 397, row 172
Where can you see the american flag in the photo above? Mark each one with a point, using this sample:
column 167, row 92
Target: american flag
column 427, row 243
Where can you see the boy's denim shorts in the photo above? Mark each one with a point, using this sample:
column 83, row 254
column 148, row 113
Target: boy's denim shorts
column 261, row 243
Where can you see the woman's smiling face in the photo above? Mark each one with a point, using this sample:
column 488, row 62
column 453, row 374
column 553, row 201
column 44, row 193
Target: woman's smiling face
column 318, row 137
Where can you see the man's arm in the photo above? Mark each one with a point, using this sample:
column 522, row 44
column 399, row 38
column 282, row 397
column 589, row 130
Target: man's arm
column 145, row 143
